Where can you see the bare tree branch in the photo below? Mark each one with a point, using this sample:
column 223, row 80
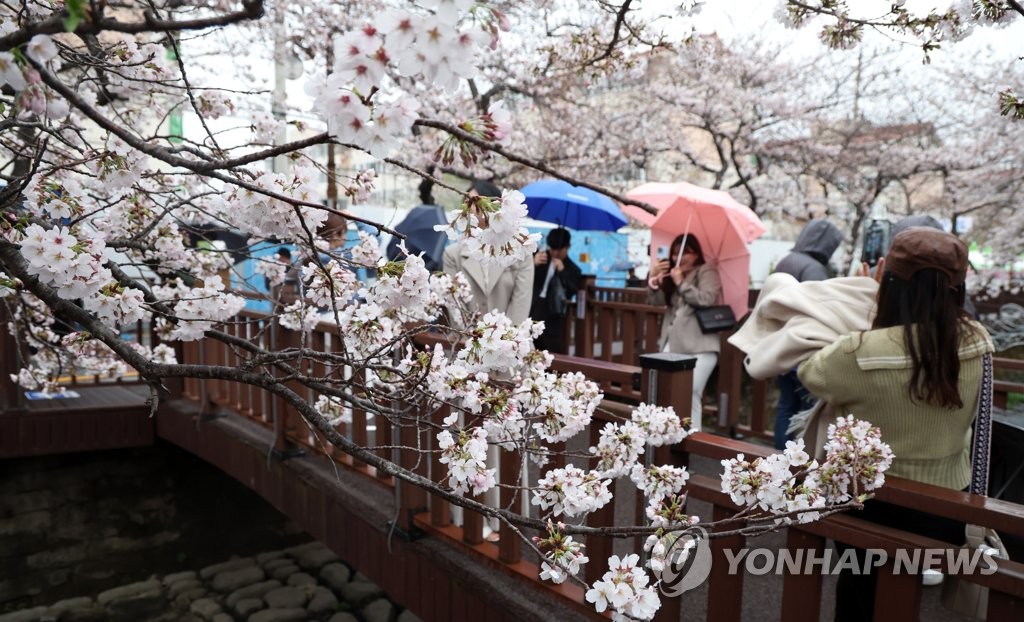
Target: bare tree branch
column 252, row 9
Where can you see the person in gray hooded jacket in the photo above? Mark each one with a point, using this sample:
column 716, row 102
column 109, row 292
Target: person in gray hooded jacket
column 808, row 261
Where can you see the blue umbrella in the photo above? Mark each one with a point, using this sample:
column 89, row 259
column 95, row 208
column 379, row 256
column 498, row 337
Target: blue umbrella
column 418, row 229
column 560, row 202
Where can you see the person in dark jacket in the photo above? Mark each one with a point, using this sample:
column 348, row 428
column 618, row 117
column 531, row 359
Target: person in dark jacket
column 289, row 290
column 808, row 261
column 553, row 270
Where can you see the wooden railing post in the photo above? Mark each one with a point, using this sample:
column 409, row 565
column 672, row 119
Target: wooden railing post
column 725, row 602
column 440, row 509
column 473, row 523
column 599, row 548
column 10, row 395
column 897, row 594
column 583, row 338
column 667, row 380
column 511, row 473
column 411, row 499
column 758, row 407
column 730, row 376
column 283, row 413
column 175, row 386
column 801, row 591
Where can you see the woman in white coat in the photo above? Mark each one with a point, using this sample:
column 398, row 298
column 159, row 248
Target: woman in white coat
column 509, row 290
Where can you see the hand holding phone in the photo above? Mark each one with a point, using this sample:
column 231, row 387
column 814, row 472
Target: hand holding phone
column 659, row 268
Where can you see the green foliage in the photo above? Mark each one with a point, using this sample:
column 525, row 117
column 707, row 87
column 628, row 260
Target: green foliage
column 76, row 13
column 1011, row 105
column 1014, row 400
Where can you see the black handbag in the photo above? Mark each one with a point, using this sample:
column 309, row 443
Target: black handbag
column 557, row 297
column 715, row 319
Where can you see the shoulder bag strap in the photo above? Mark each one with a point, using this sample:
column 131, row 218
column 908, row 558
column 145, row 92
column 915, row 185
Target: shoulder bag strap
column 982, row 431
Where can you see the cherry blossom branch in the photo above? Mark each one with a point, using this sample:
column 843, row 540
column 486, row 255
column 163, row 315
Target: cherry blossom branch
column 534, row 164
column 423, row 174
column 208, row 169
column 94, row 24
column 188, row 89
column 620, row 22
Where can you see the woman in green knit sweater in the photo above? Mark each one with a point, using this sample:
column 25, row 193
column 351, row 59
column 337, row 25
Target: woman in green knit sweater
column 916, row 375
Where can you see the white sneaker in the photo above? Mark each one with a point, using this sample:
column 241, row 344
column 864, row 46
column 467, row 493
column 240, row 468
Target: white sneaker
column 931, row 577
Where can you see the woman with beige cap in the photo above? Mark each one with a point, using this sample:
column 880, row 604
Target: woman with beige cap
column 915, row 374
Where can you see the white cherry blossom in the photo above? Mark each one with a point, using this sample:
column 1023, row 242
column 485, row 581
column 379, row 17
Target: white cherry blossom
column 10, row 73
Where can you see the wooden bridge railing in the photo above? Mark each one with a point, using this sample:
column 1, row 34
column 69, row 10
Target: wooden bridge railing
column 669, row 380
column 14, row 353
column 801, row 592
column 102, row 413
column 618, row 325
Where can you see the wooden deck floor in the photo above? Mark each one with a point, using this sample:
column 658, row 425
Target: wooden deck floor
column 106, row 416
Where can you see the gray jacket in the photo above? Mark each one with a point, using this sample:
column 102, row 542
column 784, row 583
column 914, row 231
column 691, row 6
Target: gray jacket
column 808, row 261
column 679, row 328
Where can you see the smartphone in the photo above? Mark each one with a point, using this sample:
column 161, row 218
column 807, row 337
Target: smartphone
column 662, row 253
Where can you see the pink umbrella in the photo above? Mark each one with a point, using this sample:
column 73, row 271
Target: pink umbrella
column 721, row 224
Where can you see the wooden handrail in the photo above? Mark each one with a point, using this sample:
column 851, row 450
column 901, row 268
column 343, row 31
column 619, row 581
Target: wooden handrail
column 849, row 529
column 995, row 513
column 1002, row 362
column 616, row 379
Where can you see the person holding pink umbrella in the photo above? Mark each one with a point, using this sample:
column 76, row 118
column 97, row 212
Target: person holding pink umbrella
column 683, row 280
column 724, row 227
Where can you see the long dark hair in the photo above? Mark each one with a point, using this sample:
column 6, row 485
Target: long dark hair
column 931, row 312
column 667, row 284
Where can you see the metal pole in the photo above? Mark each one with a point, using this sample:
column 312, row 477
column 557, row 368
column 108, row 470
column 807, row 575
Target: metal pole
column 332, row 166
column 279, row 96
column 652, row 398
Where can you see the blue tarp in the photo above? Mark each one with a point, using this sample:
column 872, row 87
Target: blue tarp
column 245, row 277
column 600, row 253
